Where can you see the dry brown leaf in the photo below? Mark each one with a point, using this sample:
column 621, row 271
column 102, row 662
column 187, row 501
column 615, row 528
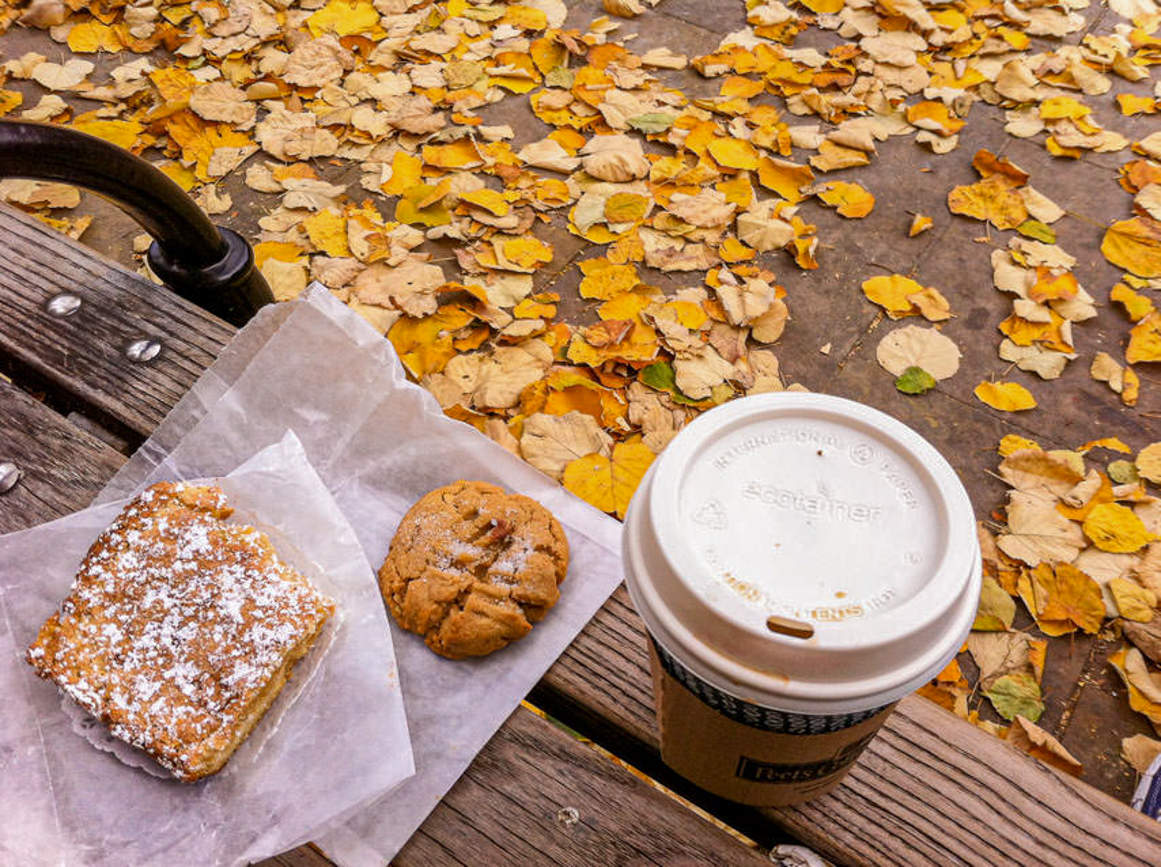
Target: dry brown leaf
column 1045, row 363
column 768, row 327
column 1138, row 674
column 1039, row 206
column 508, row 371
column 1139, row 751
column 1033, row 740
column 915, row 346
column 548, row 154
column 550, row 443
column 764, row 232
column 1043, row 474
column 623, row 8
column 707, row 209
column 1148, row 462
column 66, row 76
column 699, row 371
column 1148, row 201
column 410, row 287
column 221, row 101
column 1037, row 532
column 1104, row 368
column 663, row 58
column 40, row 194
column 999, row 653
column 745, row 302
column 287, row 279
column 616, row 158
column 1146, row 637
column 316, row 62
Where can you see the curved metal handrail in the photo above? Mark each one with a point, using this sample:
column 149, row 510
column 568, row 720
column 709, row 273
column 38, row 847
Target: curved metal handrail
column 212, row 266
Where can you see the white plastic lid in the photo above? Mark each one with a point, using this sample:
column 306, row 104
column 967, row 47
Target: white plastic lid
column 804, row 552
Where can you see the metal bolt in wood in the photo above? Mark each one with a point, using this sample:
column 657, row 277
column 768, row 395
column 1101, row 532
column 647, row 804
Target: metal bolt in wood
column 9, row 476
column 143, row 351
column 64, row 304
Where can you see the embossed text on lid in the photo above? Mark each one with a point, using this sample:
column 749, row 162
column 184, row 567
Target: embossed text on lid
column 807, row 518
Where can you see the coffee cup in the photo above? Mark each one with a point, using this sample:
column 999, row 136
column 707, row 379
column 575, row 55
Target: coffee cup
column 801, row 563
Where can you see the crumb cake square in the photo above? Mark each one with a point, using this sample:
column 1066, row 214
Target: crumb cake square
column 180, row 629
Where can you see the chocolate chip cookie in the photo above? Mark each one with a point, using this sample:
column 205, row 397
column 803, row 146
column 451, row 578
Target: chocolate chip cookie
column 472, row 567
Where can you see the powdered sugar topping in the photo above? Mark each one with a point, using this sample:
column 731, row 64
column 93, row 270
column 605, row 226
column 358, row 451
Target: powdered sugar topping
column 175, row 623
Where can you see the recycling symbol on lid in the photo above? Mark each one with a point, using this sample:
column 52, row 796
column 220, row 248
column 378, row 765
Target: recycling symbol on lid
column 711, row 514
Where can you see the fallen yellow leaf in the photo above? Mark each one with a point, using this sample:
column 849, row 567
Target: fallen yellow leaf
column 901, row 296
column 625, row 207
column 784, row 178
column 850, row 200
column 604, row 280
column 1066, row 593
column 1005, row 396
column 1116, row 528
column 1134, row 245
column 993, row 199
column 734, row 153
column 343, row 18
column 460, row 154
column 490, row 200
column 405, row 173
column 920, row 223
column 88, row 37
column 1012, row 443
column 1136, row 306
column 1145, row 340
column 609, row 483
column 934, row 116
column 327, row 230
column 1134, row 602
column 122, row 133
column 526, row 252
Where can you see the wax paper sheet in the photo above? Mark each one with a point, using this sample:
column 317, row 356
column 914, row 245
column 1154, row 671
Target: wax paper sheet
column 66, row 803
column 379, row 443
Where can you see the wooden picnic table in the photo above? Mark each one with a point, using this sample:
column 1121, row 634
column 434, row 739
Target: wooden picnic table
column 931, row 788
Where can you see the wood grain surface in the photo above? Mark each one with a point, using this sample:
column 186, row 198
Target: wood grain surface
column 62, row 466
column 507, row 810
column 931, row 789
column 83, row 355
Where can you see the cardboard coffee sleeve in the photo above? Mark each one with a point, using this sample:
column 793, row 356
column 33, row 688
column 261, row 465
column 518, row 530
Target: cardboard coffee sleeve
column 749, row 754
column 801, row 563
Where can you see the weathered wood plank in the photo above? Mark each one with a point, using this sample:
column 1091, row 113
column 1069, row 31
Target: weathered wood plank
column 84, row 354
column 62, row 465
column 506, row 810
column 934, row 790
column 931, row 789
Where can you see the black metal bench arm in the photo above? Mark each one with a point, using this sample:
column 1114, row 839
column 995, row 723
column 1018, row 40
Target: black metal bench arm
column 209, row 265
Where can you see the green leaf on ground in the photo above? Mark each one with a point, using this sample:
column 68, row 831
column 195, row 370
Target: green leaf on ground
column 915, row 380
column 1037, row 231
column 653, row 121
column 1016, row 695
column 661, row 376
column 997, row 608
